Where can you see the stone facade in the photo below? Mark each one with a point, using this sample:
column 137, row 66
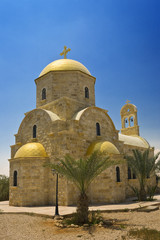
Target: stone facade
column 66, row 121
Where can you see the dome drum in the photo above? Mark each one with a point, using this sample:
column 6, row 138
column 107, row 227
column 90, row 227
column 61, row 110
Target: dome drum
column 70, row 84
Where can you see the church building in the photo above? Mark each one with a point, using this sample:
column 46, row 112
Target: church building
column 66, row 121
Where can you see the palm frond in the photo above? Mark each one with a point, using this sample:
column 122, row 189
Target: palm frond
column 82, row 171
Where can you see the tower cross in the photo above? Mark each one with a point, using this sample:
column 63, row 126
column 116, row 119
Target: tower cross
column 128, row 101
column 65, row 51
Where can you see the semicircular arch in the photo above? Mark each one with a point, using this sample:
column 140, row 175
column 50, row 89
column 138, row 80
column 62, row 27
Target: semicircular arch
column 130, row 106
column 48, row 117
column 79, row 115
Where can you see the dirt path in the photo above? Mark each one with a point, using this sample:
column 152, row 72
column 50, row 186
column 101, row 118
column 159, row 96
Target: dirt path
column 24, row 227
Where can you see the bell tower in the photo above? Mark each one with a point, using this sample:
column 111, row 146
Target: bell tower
column 129, row 119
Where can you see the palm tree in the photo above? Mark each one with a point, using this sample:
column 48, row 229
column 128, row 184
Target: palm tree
column 82, row 172
column 143, row 166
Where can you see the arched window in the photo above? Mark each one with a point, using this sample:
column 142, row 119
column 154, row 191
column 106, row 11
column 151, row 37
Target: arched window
column 129, row 173
column 131, row 122
column 86, row 92
column 98, row 130
column 134, row 176
column 15, row 178
column 126, row 122
column 43, row 93
column 34, row 131
column 117, row 174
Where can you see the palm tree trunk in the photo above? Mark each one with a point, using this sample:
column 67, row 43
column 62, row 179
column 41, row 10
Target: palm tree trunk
column 82, row 209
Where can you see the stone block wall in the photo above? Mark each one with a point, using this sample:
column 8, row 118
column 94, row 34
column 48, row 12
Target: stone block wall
column 87, row 123
column 32, row 182
column 64, row 107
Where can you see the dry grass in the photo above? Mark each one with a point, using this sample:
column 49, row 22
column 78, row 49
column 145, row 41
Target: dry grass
column 145, row 234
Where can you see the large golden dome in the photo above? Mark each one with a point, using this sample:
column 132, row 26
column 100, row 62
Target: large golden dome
column 31, row 150
column 64, row 65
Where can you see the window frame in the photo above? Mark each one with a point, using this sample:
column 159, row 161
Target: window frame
column 15, row 177
column 34, row 131
column 86, row 92
column 98, row 129
column 43, row 93
column 118, row 179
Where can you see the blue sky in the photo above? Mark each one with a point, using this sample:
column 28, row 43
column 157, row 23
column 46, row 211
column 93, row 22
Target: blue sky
column 117, row 40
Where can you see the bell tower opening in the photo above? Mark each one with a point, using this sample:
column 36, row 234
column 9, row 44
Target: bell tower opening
column 129, row 119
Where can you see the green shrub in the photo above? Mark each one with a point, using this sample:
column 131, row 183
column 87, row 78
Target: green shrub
column 71, row 220
column 4, row 188
column 95, row 217
column 151, row 192
column 145, row 234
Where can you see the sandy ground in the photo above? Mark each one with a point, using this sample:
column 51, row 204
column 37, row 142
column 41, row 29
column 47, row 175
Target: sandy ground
column 24, row 227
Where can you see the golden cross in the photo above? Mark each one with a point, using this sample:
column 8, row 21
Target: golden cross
column 65, row 51
column 128, row 101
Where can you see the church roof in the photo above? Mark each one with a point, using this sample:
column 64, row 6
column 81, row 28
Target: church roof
column 31, row 150
column 65, row 65
column 103, row 147
column 134, row 141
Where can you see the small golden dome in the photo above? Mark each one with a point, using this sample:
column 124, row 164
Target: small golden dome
column 31, row 150
column 64, row 65
column 103, row 147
